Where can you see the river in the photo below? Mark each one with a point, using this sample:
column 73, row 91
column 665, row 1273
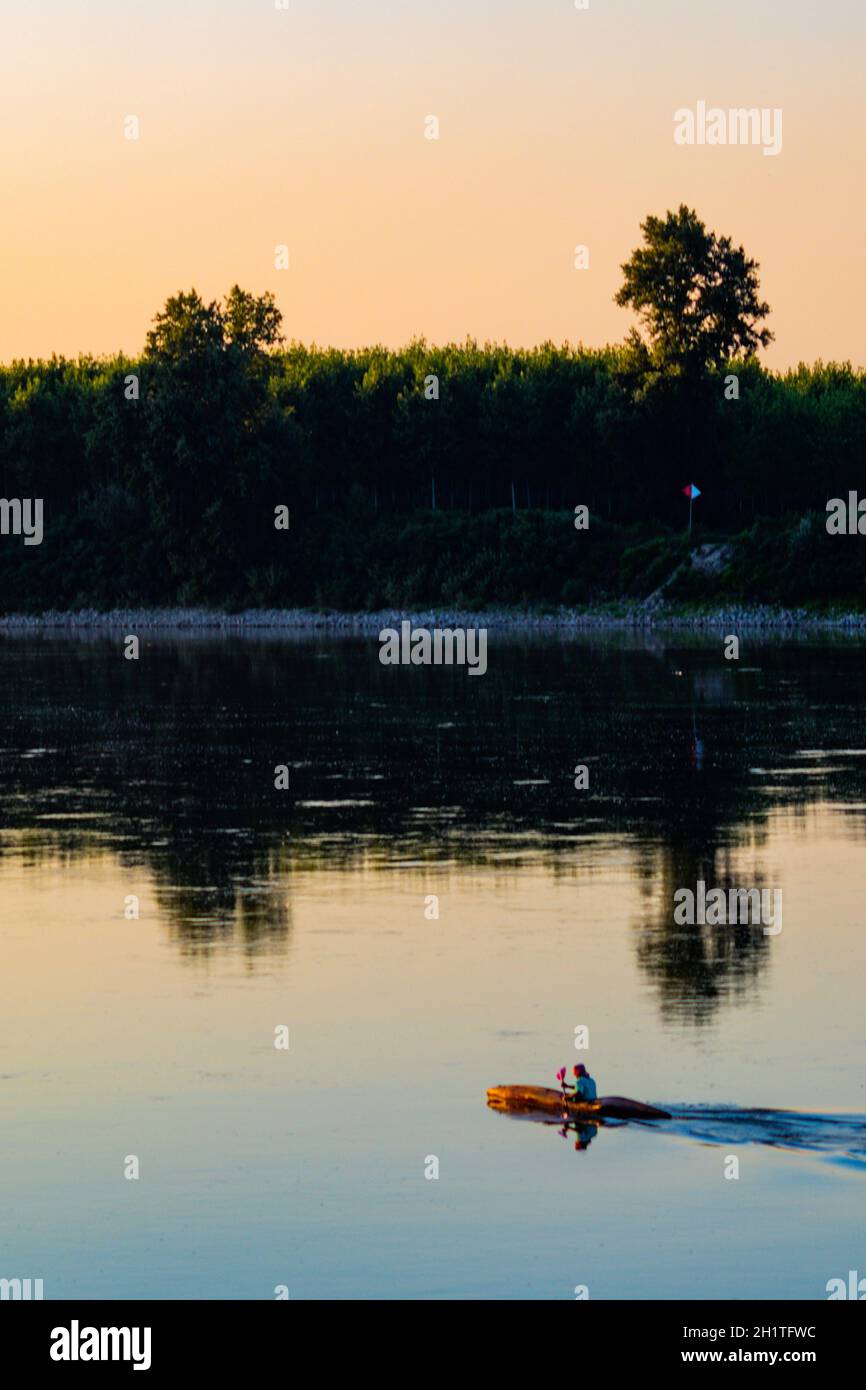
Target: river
column 247, row 1032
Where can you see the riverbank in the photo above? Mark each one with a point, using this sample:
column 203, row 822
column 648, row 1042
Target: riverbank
column 618, row 616
column 524, row 567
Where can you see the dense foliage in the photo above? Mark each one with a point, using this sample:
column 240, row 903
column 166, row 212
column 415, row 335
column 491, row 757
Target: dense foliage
column 695, row 293
column 403, row 489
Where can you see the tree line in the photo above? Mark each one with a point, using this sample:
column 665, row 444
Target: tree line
column 160, row 474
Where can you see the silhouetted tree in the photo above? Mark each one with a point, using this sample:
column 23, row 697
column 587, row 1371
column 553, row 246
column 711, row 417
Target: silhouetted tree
column 695, row 293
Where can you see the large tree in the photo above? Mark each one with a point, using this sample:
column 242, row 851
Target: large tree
column 218, row 447
column 696, row 294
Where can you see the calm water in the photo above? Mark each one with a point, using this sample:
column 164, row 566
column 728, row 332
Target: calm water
column 260, row 1167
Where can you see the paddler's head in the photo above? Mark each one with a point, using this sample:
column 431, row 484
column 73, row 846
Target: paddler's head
column 579, row 1070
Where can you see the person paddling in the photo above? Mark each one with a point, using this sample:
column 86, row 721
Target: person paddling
column 584, row 1086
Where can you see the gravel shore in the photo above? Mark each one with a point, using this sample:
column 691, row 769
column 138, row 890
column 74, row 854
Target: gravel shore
column 299, row 620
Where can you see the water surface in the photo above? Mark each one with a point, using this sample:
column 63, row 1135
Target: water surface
column 310, row 908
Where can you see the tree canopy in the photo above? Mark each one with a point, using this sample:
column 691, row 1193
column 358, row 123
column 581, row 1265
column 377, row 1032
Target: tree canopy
column 188, row 328
column 695, row 293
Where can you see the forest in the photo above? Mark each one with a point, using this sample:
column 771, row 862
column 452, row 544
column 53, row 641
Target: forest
column 398, row 498
column 437, row 474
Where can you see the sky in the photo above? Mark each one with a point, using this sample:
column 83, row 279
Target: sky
column 305, row 128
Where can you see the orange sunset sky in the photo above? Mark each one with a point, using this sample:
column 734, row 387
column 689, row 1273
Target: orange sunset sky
column 306, row 127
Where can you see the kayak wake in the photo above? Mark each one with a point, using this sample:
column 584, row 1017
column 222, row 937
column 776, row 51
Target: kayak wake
column 840, row 1138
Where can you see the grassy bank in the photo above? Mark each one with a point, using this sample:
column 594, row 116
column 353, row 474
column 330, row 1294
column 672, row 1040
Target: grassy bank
column 470, row 562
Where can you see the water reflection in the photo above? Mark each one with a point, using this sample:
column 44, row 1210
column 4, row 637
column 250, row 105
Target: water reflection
column 169, row 763
column 581, row 1135
column 694, row 968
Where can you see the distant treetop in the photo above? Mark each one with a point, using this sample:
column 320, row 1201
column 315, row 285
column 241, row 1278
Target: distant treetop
column 187, row 327
column 696, row 294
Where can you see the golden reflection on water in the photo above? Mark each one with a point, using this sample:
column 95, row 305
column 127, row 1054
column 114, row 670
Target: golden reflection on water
column 604, row 905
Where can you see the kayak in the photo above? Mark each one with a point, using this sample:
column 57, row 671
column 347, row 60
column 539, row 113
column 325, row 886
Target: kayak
column 543, row 1098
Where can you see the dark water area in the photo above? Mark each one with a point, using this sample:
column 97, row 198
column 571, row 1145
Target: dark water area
column 169, row 763
column 431, row 908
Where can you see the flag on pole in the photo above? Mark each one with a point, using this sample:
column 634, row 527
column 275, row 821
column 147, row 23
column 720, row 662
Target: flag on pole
column 691, row 491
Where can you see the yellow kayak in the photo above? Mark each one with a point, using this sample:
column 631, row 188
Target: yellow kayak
column 544, row 1098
